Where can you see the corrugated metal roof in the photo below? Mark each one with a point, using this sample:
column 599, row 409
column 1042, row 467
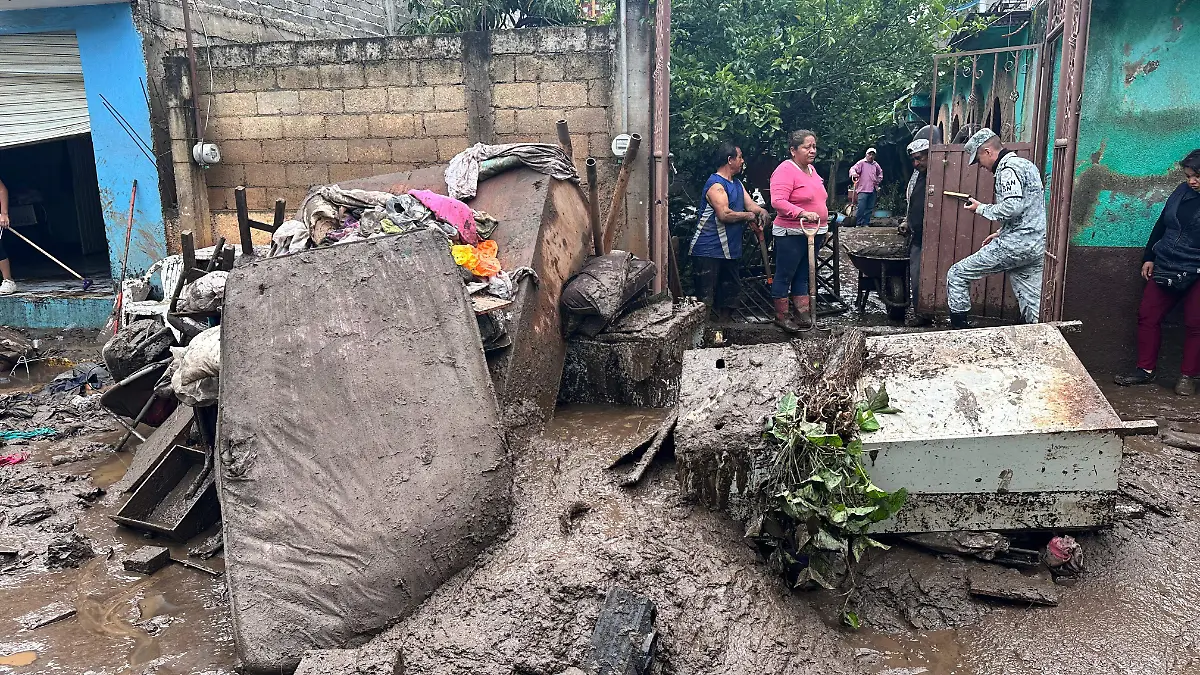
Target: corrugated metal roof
column 41, row 88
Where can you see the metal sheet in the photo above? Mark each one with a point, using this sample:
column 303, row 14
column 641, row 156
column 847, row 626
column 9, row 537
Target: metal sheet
column 41, row 88
column 991, row 382
column 1003, row 512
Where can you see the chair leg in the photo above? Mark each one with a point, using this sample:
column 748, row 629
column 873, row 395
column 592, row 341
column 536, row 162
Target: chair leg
column 136, row 421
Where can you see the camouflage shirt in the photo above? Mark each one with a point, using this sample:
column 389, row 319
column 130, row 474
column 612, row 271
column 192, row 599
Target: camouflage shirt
column 1020, row 206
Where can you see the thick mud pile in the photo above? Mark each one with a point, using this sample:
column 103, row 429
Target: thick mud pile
column 531, row 604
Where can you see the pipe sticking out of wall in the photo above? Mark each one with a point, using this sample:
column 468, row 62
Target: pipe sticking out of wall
column 624, row 69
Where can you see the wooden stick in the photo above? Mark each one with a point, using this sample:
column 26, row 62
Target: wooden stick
column 614, row 208
column 280, row 207
column 243, row 216
column 46, row 253
column 594, row 205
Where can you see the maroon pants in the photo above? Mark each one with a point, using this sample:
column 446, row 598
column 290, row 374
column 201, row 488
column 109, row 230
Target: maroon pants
column 1156, row 303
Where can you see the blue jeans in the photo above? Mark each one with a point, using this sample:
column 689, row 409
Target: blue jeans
column 866, row 208
column 791, row 265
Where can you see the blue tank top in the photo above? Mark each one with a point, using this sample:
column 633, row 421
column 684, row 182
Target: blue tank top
column 714, row 239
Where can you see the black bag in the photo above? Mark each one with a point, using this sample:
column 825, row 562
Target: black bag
column 1176, row 282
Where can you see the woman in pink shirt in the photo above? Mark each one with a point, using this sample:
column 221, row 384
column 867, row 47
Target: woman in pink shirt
column 800, row 201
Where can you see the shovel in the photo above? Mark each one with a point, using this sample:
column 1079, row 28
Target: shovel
column 812, row 282
column 764, row 223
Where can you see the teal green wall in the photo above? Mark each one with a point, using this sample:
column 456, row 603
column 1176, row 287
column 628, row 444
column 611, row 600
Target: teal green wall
column 1141, row 115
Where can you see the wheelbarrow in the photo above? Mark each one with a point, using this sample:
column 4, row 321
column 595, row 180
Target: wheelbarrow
column 135, row 398
column 887, row 277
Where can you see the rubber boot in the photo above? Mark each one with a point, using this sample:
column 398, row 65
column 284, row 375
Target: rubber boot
column 803, row 317
column 783, row 317
column 959, row 320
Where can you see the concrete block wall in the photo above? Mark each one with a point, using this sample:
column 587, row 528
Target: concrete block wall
column 289, row 115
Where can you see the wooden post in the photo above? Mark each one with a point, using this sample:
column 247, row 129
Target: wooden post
column 188, row 245
column 243, row 216
column 618, row 198
column 280, row 207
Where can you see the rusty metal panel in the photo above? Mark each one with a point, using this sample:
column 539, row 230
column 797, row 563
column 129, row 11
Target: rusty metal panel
column 952, row 233
column 1003, row 512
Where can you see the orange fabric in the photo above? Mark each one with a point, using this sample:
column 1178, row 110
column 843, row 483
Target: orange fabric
column 479, row 260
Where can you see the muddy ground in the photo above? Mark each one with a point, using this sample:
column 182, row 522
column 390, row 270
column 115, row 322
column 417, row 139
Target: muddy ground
column 530, row 604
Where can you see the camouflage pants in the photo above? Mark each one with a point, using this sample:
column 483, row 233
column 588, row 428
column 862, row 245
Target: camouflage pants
column 1024, row 273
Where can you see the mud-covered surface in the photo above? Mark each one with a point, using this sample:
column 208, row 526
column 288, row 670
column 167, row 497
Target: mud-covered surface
column 172, row 622
column 531, row 603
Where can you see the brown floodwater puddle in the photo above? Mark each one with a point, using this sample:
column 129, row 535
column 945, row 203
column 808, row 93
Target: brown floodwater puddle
column 18, row 659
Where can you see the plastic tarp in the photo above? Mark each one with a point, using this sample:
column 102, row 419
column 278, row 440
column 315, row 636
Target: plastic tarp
column 361, row 461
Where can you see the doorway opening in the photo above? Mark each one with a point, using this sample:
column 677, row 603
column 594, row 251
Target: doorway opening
column 54, row 201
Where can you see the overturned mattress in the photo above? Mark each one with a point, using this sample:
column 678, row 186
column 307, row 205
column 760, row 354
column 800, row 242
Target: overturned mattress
column 361, row 458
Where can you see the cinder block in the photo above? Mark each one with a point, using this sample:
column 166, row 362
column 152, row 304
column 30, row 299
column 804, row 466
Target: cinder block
column 219, row 198
column 298, row 77
column 528, row 67
column 301, row 126
column 588, row 120
column 602, row 39
column 541, row 121
column 414, row 151
column 563, row 94
column 274, row 53
column 321, row 101
column 505, row 121
column 366, row 100
column 282, row 151
column 561, row 39
column 514, row 41
column 346, row 126
column 237, row 152
column 256, row 197
column 307, row 174
column 348, row 51
column 409, row 99
column 553, row 66
column 447, row 148
column 391, row 125
column 265, row 175
column 316, row 52
column 369, row 151
column 342, row 76
column 444, row 124
column 440, row 71
column 230, row 56
column 444, row 47
column 587, row 67
column 255, row 79
column 502, row 69
column 389, row 74
column 599, row 145
column 147, row 559
column 599, row 93
column 326, row 151
column 515, row 95
column 449, row 98
column 223, row 128
column 225, row 175
column 233, row 104
column 372, row 48
column 262, row 127
column 343, row 172
column 219, row 80
column 278, row 102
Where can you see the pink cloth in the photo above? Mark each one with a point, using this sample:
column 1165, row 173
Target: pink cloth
column 13, row 458
column 452, row 211
column 869, row 175
column 794, row 191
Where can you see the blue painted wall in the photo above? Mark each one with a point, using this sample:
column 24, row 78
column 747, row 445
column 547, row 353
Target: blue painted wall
column 110, row 49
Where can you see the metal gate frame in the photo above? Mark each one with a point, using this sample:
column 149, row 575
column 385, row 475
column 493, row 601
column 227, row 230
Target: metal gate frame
column 1070, row 20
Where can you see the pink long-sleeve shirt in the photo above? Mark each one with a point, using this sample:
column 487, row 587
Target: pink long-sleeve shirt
column 868, row 174
column 794, row 191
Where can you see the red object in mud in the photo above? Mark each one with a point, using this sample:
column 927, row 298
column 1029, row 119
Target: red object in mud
column 1064, row 555
column 13, row 458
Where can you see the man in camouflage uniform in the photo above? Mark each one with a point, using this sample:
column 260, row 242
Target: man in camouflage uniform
column 1018, row 246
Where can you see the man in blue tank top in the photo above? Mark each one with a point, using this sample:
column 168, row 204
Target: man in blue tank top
column 716, row 247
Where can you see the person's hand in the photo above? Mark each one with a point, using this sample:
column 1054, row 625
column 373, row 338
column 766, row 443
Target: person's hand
column 756, row 225
column 990, row 238
column 810, row 216
column 4, row 220
column 972, row 205
column 903, row 227
column 1147, row 270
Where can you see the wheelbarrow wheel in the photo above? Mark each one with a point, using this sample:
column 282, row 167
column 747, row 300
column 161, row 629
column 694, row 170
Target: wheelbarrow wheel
column 896, row 299
column 895, row 313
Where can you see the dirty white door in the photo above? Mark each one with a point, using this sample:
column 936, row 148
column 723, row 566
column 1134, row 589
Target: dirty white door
column 41, row 88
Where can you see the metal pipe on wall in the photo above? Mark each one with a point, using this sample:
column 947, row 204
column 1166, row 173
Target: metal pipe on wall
column 594, row 205
column 195, row 81
column 624, row 69
column 660, row 142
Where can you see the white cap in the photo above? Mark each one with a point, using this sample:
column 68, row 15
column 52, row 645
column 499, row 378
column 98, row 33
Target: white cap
column 871, row 151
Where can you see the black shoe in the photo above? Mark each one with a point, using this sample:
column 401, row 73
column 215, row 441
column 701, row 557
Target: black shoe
column 958, row 320
column 1136, row 376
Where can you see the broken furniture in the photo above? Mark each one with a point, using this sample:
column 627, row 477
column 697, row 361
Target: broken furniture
column 361, row 459
column 247, row 225
column 543, row 225
column 1001, row 428
column 177, row 499
column 637, row 360
column 135, row 398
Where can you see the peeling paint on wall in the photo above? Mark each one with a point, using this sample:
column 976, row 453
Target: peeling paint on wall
column 1140, row 116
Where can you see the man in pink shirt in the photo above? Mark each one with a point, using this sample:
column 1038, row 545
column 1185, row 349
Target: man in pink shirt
column 867, row 175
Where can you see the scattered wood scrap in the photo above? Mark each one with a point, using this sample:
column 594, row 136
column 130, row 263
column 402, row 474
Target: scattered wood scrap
column 665, row 432
column 624, row 640
column 1012, row 586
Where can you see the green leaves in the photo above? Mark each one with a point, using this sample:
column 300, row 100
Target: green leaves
column 877, row 402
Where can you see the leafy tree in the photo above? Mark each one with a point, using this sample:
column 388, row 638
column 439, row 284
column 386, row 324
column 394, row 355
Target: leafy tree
column 456, row 16
column 752, row 70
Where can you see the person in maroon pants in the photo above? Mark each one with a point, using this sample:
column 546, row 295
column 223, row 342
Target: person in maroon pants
column 1171, row 267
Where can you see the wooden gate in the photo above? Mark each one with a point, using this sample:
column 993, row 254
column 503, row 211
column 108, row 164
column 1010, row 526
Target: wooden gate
column 953, row 233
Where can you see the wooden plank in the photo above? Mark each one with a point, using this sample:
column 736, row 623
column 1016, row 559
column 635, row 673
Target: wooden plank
column 950, row 211
column 933, row 225
column 978, row 228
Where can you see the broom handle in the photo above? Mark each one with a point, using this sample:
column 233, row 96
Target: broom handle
column 45, row 253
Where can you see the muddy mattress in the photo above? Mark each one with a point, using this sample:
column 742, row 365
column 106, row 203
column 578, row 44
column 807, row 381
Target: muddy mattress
column 361, row 458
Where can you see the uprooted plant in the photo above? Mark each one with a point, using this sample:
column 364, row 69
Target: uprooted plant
column 818, row 501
